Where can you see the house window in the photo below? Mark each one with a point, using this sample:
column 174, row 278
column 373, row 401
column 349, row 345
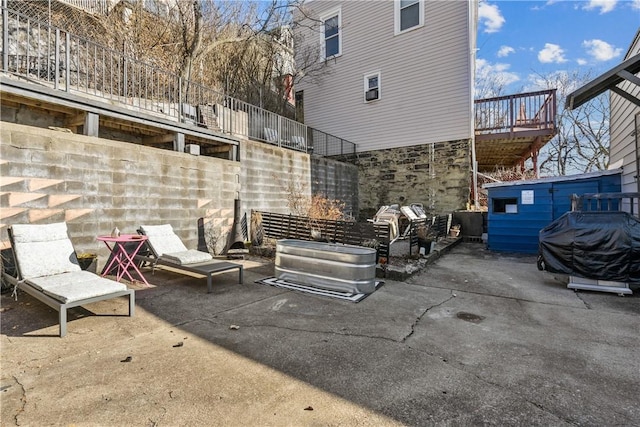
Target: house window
column 409, row 14
column 331, row 35
column 371, row 87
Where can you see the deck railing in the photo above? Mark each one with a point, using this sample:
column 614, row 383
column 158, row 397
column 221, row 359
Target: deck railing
column 93, row 6
column 48, row 55
column 511, row 113
column 627, row 202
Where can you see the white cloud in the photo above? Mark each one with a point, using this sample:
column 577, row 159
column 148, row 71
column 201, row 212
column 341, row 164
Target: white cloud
column 489, row 15
column 505, row 51
column 581, row 61
column 601, row 50
column 498, row 72
column 551, row 53
column 562, row 80
column 635, row 4
column 604, row 5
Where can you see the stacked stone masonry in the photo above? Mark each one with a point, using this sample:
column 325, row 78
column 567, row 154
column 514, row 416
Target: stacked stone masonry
column 435, row 175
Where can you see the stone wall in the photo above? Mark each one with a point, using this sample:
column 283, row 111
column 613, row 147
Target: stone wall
column 96, row 184
column 436, row 175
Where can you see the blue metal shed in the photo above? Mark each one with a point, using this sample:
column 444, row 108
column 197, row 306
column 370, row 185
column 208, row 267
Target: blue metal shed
column 518, row 210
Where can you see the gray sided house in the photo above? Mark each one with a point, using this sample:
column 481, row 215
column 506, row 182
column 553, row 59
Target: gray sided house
column 623, row 84
column 396, row 78
column 625, row 128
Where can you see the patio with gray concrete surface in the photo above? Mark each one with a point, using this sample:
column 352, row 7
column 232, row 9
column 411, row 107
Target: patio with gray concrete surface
column 474, row 338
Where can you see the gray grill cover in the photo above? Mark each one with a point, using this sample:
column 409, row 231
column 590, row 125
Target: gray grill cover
column 593, row 245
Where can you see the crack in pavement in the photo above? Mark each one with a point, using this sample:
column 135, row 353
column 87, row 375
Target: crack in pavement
column 227, row 310
column 466, row 291
column 345, row 333
column 586, row 304
column 23, row 399
column 419, row 318
column 315, row 331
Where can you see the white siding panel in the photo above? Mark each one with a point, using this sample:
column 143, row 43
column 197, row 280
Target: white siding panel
column 425, row 77
column 622, row 127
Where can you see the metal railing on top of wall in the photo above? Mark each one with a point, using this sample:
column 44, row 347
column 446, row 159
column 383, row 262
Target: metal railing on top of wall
column 35, row 50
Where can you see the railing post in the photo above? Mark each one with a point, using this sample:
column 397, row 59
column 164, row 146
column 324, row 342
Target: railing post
column 231, row 110
column 67, row 59
column 180, row 107
column 553, row 107
column 511, row 114
column 279, row 131
column 5, row 37
column 326, row 144
column 125, row 76
column 56, row 59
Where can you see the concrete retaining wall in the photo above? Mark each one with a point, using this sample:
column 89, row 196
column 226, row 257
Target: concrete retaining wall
column 271, row 176
column 96, row 184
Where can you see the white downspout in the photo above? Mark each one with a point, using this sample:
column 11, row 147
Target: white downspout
column 473, row 24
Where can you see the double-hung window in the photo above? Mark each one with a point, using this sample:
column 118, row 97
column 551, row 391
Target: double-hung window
column 332, row 34
column 409, row 14
column 371, row 87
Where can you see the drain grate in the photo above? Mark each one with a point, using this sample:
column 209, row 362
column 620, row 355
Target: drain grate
column 469, row 317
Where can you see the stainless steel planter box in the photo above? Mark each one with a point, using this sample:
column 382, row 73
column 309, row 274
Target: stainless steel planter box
column 336, row 267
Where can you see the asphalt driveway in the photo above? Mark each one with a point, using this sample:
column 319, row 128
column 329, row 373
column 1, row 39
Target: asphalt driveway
column 476, row 338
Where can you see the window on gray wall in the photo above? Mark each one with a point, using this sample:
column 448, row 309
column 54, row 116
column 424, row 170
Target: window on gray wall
column 332, row 37
column 408, row 14
column 372, row 87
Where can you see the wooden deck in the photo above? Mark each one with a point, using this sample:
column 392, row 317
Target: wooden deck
column 512, row 129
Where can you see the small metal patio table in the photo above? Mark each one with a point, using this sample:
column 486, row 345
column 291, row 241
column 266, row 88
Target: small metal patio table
column 122, row 258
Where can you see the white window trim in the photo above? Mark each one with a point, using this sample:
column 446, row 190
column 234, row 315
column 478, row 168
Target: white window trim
column 366, row 86
column 396, row 9
column 323, row 18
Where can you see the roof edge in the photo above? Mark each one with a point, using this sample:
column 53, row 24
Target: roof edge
column 550, row 179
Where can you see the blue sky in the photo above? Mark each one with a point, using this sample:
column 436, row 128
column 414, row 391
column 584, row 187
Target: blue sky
column 519, row 39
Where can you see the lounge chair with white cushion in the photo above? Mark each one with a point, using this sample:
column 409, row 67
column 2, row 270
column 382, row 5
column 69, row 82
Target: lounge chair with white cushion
column 299, row 143
column 168, row 250
column 271, row 135
column 48, row 270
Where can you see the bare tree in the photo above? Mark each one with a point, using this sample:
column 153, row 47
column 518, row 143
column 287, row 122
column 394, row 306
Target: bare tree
column 212, row 43
column 244, row 48
column 310, row 64
column 488, row 83
column 582, row 142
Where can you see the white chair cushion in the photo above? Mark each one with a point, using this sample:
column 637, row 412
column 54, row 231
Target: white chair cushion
column 190, row 256
column 75, row 286
column 298, row 141
column 163, row 239
column 43, row 249
column 271, row 135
